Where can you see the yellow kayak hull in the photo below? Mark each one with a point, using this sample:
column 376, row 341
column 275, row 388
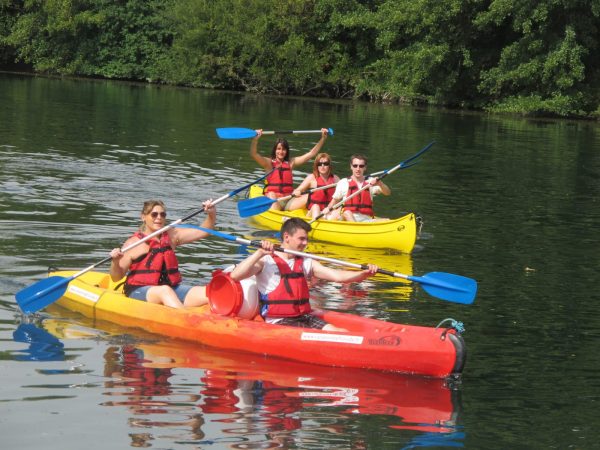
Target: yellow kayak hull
column 398, row 234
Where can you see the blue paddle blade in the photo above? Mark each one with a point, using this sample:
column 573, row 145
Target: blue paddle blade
column 254, row 206
column 41, row 294
column 235, row 133
column 448, row 286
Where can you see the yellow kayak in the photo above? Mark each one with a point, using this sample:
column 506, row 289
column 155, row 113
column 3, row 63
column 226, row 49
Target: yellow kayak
column 398, row 234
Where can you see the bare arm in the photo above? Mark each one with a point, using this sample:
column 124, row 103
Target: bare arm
column 299, row 160
column 385, row 189
column 341, row 190
column 308, row 183
column 253, row 264
column 122, row 261
column 180, row 236
column 262, row 161
column 342, row 276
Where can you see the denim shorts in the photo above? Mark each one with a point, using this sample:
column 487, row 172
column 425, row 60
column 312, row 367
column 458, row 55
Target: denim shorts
column 140, row 293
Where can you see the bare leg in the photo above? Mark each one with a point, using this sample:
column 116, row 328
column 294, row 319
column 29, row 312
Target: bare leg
column 276, row 205
column 296, row 203
column 314, row 211
column 334, row 215
column 330, row 327
column 348, row 216
column 163, row 295
column 196, row 296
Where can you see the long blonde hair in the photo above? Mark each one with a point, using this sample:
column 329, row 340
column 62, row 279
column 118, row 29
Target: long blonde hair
column 147, row 209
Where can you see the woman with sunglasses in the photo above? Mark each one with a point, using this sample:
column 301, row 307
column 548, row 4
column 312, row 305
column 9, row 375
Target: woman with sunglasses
column 360, row 207
column 322, row 175
column 151, row 268
column 280, row 181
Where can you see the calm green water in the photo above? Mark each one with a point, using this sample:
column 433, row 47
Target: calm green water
column 510, row 202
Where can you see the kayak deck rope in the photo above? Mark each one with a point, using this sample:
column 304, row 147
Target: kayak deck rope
column 420, row 222
column 458, row 326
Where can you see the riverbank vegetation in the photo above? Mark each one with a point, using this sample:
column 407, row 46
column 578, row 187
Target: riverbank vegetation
column 529, row 57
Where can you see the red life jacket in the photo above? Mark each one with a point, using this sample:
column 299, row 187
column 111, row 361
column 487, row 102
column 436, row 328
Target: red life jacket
column 291, row 297
column 280, row 180
column 324, row 196
column 157, row 267
column 362, row 203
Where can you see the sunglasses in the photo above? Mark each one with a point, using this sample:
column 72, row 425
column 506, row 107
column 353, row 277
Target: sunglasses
column 155, row 214
column 325, row 163
column 356, row 166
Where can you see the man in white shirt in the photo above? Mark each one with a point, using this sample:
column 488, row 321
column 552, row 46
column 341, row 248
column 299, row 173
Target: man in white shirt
column 281, row 278
column 359, row 208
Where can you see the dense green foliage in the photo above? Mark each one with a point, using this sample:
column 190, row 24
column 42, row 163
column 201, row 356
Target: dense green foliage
column 533, row 57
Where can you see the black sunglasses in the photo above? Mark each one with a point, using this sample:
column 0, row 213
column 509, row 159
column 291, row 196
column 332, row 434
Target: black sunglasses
column 358, row 165
column 155, row 214
column 326, row 163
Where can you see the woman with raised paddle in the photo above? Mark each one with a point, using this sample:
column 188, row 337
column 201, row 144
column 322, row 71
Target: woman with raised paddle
column 358, row 208
column 281, row 278
column 280, row 182
column 152, row 269
column 321, row 176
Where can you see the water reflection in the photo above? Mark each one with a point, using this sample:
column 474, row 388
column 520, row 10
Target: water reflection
column 146, row 391
column 42, row 346
column 255, row 402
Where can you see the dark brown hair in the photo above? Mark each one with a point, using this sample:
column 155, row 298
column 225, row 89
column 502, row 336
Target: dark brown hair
column 294, row 224
column 285, row 145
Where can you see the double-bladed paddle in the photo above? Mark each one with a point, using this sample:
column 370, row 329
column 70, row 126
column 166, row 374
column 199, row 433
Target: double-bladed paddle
column 246, row 133
column 445, row 286
column 257, row 205
column 253, row 206
column 47, row 291
column 402, row 165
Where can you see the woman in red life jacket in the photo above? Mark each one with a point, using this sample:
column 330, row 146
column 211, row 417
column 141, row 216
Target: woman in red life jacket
column 360, row 207
column 322, row 176
column 152, row 269
column 281, row 278
column 281, row 181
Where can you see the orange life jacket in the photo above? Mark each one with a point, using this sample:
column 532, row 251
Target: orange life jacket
column 280, row 180
column 291, row 297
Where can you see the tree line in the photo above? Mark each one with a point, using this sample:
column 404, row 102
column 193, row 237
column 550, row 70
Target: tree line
column 535, row 57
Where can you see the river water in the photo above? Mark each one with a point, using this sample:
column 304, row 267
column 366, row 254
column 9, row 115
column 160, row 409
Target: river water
column 510, row 202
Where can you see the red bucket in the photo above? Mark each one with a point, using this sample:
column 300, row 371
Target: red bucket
column 229, row 297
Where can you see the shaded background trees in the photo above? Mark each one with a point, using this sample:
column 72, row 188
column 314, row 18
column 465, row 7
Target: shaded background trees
column 527, row 57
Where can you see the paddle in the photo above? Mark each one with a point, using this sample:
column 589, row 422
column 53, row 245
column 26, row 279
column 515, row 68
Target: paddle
column 403, row 165
column 245, row 133
column 47, row 291
column 445, row 286
column 257, row 205
column 253, row 206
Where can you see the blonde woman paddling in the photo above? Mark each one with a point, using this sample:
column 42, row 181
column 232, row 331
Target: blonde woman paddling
column 152, row 268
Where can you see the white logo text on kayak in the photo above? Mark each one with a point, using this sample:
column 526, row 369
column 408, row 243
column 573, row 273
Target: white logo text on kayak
column 332, row 338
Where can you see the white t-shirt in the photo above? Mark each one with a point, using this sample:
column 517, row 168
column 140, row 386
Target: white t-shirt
column 268, row 278
column 341, row 190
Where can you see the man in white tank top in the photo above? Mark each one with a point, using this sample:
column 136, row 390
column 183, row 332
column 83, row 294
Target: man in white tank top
column 263, row 264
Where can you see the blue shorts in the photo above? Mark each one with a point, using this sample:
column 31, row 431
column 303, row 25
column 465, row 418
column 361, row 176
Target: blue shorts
column 181, row 290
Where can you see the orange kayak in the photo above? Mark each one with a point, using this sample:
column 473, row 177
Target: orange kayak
column 368, row 343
